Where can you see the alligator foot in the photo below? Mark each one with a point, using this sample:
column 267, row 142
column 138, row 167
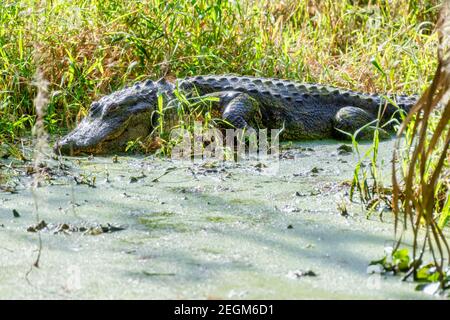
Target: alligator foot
column 351, row 120
column 239, row 110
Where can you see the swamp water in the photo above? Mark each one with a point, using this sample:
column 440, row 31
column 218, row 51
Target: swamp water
column 197, row 231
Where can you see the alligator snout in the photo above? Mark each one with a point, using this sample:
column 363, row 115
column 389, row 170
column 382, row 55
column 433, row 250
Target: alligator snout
column 72, row 144
column 63, row 147
column 101, row 136
column 85, row 138
column 68, row 146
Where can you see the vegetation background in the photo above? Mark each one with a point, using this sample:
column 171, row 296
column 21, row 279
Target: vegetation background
column 87, row 48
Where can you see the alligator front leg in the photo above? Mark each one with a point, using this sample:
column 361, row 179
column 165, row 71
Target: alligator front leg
column 351, row 119
column 239, row 109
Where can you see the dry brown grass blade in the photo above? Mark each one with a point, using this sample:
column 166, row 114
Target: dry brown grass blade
column 414, row 200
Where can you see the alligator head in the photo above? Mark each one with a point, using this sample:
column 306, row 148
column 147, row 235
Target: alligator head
column 113, row 120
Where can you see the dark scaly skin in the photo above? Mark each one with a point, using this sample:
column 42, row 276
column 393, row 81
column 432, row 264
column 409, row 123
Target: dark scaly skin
column 305, row 111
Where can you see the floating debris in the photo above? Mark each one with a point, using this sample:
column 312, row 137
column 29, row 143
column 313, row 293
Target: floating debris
column 38, row 227
column 67, row 228
column 260, row 165
column 342, row 208
column 167, row 171
column 290, row 209
column 16, row 213
column 158, row 274
column 316, row 170
column 296, row 274
column 344, row 149
column 83, row 179
column 10, row 189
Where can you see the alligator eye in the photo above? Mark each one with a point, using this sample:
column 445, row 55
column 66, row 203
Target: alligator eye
column 95, row 108
column 113, row 107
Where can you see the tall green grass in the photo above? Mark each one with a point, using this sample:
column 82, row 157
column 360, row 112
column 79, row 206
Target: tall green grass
column 421, row 180
column 90, row 48
column 420, row 192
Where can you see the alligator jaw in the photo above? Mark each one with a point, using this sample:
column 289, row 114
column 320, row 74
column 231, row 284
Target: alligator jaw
column 92, row 136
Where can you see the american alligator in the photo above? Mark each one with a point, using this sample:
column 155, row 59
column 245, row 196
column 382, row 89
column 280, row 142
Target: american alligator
column 304, row 111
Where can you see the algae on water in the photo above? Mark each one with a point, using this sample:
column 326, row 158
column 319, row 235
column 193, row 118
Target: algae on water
column 222, row 234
